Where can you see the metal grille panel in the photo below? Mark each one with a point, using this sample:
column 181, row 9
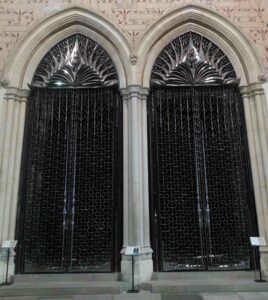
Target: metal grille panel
column 72, row 181
column 199, row 181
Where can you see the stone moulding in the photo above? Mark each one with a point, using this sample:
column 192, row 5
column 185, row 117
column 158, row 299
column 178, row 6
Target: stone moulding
column 191, row 59
column 77, row 61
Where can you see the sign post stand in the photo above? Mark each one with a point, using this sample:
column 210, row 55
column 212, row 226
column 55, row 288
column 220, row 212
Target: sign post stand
column 8, row 245
column 132, row 251
column 257, row 242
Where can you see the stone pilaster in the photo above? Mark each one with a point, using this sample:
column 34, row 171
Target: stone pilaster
column 136, row 194
column 256, row 122
column 14, row 109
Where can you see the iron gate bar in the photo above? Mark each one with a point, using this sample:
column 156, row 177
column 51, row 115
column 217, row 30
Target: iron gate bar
column 203, row 223
column 58, row 144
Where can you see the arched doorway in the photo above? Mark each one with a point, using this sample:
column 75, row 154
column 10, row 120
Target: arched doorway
column 202, row 204
column 70, row 212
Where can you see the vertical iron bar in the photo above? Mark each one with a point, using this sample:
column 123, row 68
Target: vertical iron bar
column 196, row 129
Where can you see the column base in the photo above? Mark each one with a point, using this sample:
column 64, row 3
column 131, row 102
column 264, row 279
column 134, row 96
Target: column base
column 264, row 262
column 143, row 266
column 4, row 277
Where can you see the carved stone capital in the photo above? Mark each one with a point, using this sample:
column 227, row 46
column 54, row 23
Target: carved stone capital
column 256, row 89
column 24, row 94
column 16, row 94
column 134, row 91
column 244, row 90
column 12, row 93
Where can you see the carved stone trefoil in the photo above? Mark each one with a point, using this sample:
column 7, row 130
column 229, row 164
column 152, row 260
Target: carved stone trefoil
column 191, row 59
column 76, row 61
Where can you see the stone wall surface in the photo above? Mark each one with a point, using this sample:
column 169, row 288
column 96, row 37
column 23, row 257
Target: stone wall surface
column 132, row 17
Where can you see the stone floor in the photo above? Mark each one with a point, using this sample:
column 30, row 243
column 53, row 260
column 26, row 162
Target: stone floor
column 170, row 286
column 218, row 296
column 144, row 295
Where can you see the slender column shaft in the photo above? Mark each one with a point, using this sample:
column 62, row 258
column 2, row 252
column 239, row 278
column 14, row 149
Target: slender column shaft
column 126, row 228
column 257, row 94
column 257, row 127
column 10, row 172
column 15, row 107
column 265, row 111
column 3, row 150
column 262, row 128
column 258, row 146
column 145, row 167
column 257, row 111
column 135, row 183
column 136, row 200
column 17, row 162
column 5, row 161
column 3, row 107
column 254, row 150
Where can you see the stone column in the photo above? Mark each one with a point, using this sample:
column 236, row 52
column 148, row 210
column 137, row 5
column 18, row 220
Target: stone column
column 256, row 123
column 258, row 96
column 136, row 195
column 12, row 140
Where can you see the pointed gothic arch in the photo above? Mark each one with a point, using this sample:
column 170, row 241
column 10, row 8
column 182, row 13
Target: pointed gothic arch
column 200, row 176
column 27, row 54
column 242, row 53
column 70, row 201
column 248, row 67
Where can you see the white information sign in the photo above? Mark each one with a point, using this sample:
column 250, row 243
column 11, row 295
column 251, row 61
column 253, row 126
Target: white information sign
column 257, row 241
column 9, row 244
column 133, row 250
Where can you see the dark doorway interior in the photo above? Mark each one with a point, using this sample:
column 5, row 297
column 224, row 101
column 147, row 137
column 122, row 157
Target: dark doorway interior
column 202, row 203
column 70, row 209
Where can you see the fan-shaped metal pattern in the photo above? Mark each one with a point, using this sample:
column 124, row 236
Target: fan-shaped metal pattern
column 191, row 59
column 76, row 61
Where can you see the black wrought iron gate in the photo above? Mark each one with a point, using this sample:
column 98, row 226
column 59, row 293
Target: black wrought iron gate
column 70, row 211
column 201, row 196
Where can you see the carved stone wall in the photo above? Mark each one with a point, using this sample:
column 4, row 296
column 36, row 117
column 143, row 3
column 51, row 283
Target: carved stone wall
column 132, row 17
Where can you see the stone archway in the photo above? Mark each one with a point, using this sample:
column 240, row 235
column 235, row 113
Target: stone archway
column 248, row 68
column 19, row 72
column 134, row 80
column 70, row 201
column 199, row 172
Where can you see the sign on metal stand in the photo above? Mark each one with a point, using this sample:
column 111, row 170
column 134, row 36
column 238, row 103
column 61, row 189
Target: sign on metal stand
column 132, row 251
column 8, row 245
column 257, row 241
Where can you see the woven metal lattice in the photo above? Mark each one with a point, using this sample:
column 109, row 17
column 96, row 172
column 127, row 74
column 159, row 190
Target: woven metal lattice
column 71, row 181
column 199, row 179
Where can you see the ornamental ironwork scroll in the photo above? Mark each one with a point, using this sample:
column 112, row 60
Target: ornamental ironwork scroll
column 191, row 59
column 77, row 61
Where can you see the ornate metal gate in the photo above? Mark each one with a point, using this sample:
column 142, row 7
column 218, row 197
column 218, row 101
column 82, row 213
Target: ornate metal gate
column 70, row 214
column 201, row 196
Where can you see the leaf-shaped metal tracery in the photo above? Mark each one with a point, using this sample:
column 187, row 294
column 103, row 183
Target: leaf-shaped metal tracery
column 77, row 61
column 191, row 59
